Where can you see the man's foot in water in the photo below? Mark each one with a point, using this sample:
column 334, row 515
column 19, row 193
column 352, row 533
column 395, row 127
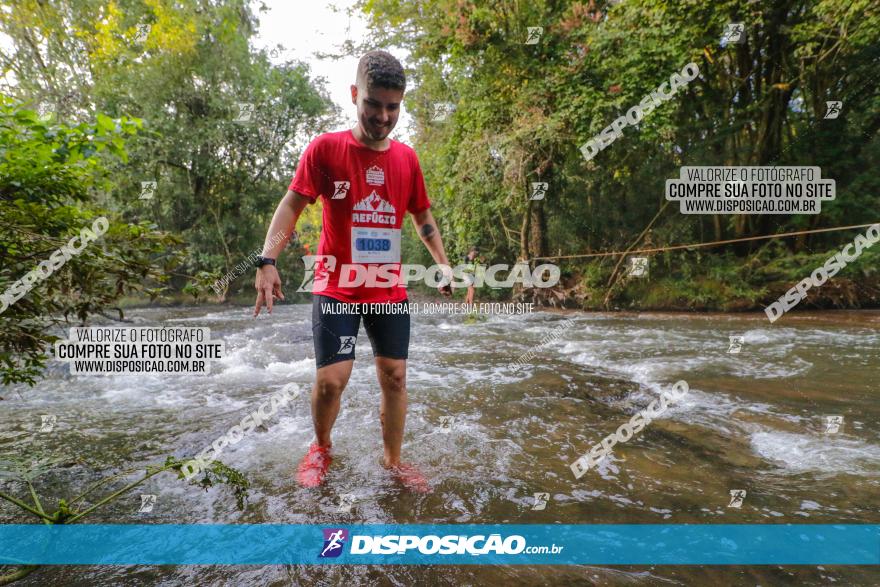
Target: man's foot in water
column 313, row 467
column 410, row 476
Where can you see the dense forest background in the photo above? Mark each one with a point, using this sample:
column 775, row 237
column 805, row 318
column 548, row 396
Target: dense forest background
column 101, row 98
column 523, row 110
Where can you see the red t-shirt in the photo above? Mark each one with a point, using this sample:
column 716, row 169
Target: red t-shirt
column 365, row 194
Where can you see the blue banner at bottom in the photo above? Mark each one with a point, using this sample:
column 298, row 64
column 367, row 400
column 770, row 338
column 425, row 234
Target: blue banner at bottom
column 498, row 544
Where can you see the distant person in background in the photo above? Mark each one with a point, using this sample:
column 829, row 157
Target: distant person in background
column 470, row 272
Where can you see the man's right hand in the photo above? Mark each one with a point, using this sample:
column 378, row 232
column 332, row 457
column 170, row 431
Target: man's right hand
column 268, row 286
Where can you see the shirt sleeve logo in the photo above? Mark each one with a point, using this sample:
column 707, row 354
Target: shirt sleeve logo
column 341, row 189
column 375, row 175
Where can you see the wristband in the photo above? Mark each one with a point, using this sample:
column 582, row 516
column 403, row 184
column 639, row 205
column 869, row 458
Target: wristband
column 263, row 261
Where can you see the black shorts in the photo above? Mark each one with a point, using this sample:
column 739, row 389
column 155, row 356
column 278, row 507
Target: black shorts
column 335, row 328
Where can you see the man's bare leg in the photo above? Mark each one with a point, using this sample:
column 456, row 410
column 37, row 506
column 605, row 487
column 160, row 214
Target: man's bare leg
column 392, row 411
column 326, row 394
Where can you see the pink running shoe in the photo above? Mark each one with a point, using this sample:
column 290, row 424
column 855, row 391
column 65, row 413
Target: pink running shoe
column 313, row 467
column 411, row 478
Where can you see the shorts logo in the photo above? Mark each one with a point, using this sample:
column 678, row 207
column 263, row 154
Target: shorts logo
column 334, row 540
column 375, row 175
column 346, row 345
column 341, row 189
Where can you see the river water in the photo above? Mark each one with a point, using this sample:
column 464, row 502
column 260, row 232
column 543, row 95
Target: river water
column 489, row 436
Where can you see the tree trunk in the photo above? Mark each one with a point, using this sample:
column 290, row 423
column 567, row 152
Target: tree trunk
column 538, row 230
column 524, row 233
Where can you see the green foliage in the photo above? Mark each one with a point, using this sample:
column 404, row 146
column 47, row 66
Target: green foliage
column 27, row 468
column 49, row 174
column 684, row 280
column 182, row 68
column 523, row 111
column 217, row 473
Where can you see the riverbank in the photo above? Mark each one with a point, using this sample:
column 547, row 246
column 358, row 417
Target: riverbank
column 694, row 281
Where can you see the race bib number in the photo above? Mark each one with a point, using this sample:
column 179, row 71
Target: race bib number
column 375, row 245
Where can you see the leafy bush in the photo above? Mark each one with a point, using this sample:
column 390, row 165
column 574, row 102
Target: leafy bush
column 49, row 176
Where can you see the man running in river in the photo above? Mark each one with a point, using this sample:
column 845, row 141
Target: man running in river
column 366, row 181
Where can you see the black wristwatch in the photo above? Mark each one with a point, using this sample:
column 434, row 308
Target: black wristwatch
column 263, row 261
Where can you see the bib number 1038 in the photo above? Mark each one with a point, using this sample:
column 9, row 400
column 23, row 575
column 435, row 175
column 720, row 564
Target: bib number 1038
column 372, row 244
column 375, row 245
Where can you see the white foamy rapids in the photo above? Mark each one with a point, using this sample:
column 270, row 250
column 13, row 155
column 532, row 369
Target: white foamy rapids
column 653, row 372
column 283, row 372
column 424, row 375
column 828, row 454
column 240, row 362
column 279, row 442
column 832, row 343
column 652, row 367
column 490, row 458
column 715, row 410
column 144, row 389
column 219, row 400
column 755, row 368
column 226, row 315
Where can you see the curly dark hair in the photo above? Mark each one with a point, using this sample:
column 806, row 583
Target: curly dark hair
column 380, row 69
